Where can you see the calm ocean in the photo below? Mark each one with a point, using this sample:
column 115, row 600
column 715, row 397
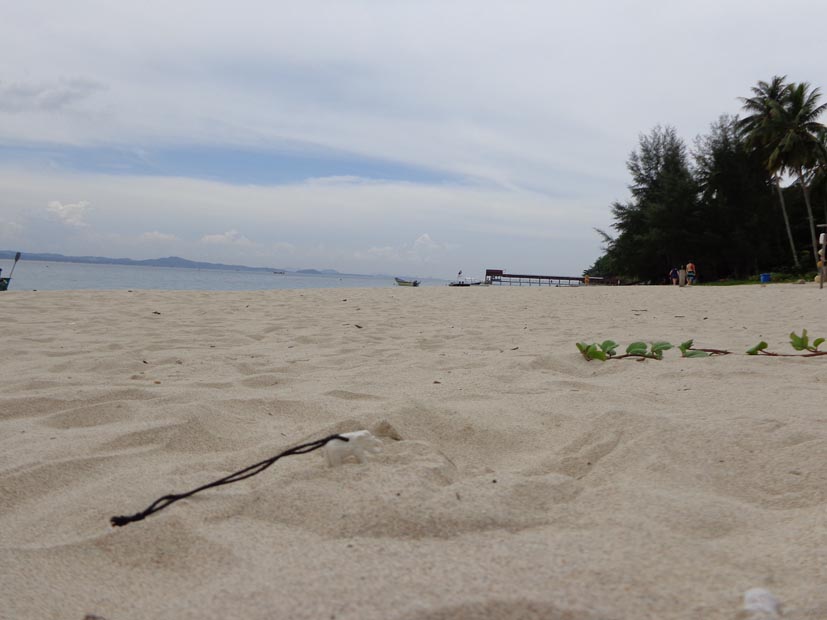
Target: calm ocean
column 47, row 276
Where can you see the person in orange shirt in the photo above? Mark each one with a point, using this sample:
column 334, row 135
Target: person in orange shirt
column 690, row 273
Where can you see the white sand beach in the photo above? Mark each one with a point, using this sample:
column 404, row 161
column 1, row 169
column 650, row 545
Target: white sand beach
column 516, row 481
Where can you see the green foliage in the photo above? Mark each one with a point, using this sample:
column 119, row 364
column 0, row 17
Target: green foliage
column 652, row 226
column 636, row 348
column 659, row 347
column 604, row 266
column 654, row 351
column 595, row 353
column 802, row 342
column 738, row 231
column 608, row 350
column 757, row 348
column 726, row 210
column 799, row 343
column 640, row 349
column 602, row 351
column 687, row 350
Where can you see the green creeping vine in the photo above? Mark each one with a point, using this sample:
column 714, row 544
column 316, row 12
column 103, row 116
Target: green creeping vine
column 607, row 350
column 799, row 343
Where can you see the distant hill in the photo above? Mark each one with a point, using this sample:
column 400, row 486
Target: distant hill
column 320, row 272
column 174, row 261
column 170, row 261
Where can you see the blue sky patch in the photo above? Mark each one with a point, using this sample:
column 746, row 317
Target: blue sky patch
column 228, row 165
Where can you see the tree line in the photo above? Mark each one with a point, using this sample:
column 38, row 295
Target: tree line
column 741, row 201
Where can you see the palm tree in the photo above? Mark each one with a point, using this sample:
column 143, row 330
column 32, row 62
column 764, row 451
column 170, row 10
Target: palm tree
column 818, row 178
column 797, row 147
column 765, row 106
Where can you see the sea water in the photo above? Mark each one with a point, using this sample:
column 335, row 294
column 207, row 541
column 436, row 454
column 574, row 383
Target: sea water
column 60, row 276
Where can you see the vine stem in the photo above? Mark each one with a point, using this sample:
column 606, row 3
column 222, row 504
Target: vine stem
column 712, row 351
column 811, row 354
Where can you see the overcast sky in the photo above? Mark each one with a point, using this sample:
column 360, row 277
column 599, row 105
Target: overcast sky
column 409, row 138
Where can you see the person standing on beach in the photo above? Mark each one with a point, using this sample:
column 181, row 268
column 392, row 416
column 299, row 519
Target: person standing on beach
column 682, row 276
column 690, row 273
column 673, row 276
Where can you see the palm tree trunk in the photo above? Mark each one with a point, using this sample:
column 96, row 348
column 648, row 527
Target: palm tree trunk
column 787, row 221
column 825, row 210
column 806, row 191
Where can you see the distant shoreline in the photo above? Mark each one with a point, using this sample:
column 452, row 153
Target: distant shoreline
column 170, row 261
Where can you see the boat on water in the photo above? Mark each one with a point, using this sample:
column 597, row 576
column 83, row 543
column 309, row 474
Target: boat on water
column 406, row 282
column 4, row 282
column 464, row 280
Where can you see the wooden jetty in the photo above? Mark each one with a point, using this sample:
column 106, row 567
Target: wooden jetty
column 498, row 276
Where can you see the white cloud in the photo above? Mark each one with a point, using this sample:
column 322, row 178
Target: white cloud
column 425, row 243
column 337, row 181
column 158, row 236
column 525, row 113
column 422, row 250
column 384, row 253
column 27, row 96
column 231, row 237
column 71, row 214
column 544, row 95
column 354, row 227
column 282, row 247
column 10, row 231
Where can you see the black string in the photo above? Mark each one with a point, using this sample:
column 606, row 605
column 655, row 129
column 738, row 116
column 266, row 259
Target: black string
column 247, row 472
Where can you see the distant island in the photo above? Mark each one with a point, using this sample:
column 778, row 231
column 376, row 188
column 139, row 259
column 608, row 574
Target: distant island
column 170, row 261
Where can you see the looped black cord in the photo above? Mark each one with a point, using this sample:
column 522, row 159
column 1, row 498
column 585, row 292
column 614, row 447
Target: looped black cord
column 247, row 472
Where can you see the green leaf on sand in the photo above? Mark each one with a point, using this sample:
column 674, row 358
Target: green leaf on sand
column 686, row 350
column 799, row 343
column 659, row 347
column 596, row 353
column 636, row 348
column 592, row 351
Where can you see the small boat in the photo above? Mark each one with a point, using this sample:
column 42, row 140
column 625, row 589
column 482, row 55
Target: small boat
column 406, row 282
column 465, row 282
column 4, row 282
column 278, row 272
